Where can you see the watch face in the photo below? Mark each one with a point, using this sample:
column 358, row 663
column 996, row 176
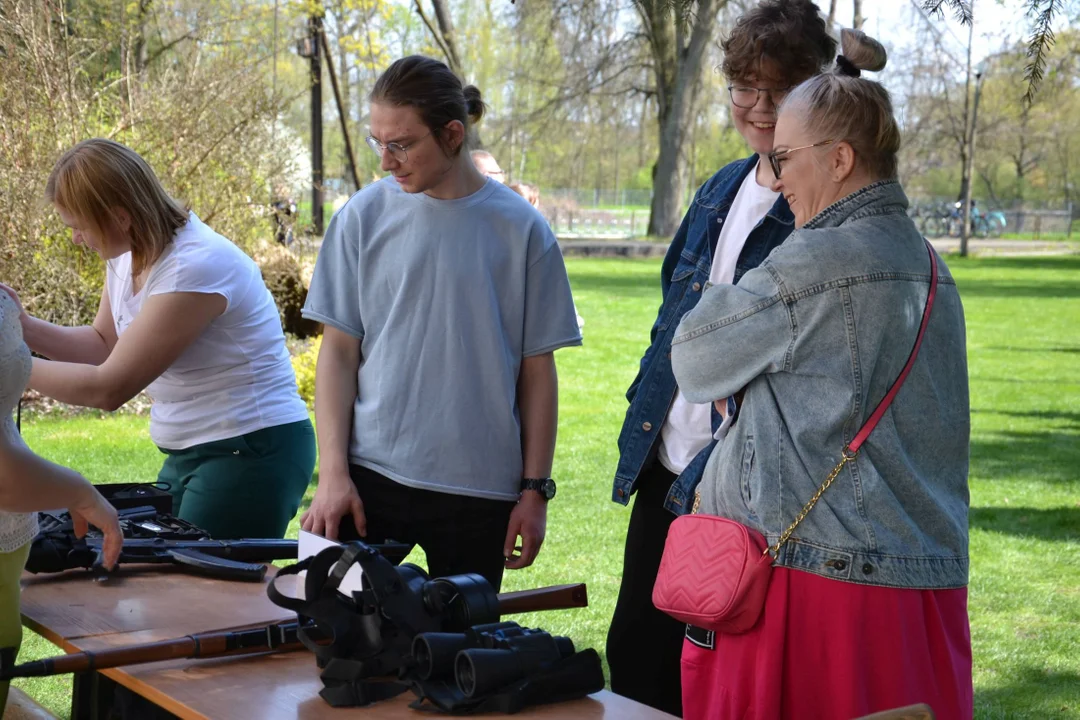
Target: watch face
column 547, row 488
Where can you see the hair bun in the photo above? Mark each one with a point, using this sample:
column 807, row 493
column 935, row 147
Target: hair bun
column 859, row 51
column 474, row 104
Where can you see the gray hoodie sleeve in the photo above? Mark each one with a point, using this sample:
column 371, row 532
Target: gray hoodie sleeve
column 734, row 334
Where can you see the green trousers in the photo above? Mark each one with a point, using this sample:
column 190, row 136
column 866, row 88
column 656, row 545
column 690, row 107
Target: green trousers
column 11, row 567
column 249, row 486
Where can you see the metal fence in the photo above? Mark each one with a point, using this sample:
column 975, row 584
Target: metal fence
column 569, row 222
column 595, row 198
column 941, row 218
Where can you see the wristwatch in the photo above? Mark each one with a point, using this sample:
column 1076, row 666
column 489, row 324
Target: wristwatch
column 544, row 486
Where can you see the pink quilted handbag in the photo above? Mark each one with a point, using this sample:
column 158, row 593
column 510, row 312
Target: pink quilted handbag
column 715, row 572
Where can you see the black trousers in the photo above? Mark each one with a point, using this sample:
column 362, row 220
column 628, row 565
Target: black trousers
column 459, row 534
column 644, row 645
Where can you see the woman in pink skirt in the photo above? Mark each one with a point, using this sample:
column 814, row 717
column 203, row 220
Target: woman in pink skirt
column 867, row 606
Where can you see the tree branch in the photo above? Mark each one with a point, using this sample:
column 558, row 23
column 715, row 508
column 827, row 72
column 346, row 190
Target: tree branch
column 431, row 29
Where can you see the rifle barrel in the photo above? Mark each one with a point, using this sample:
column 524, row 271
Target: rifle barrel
column 557, row 597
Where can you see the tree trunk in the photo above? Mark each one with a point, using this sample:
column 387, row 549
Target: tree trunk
column 442, row 32
column 677, row 39
column 832, row 13
column 857, row 21
column 446, row 38
column 138, row 50
column 346, row 104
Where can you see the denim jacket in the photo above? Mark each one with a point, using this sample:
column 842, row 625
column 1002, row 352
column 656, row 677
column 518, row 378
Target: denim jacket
column 816, row 335
column 683, row 277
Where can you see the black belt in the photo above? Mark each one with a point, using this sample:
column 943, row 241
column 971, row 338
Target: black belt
column 701, row 637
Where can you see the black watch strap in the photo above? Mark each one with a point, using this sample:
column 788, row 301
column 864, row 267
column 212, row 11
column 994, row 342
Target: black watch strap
column 544, row 486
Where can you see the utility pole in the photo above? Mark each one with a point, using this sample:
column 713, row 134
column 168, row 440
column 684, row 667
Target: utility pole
column 313, row 47
column 969, row 137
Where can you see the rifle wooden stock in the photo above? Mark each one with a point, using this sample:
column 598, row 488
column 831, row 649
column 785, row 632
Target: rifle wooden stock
column 272, row 638
column 557, row 597
column 200, row 645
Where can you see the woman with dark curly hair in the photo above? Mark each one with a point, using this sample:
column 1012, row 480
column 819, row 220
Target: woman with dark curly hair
column 734, row 222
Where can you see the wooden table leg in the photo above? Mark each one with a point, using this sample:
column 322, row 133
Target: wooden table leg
column 91, row 696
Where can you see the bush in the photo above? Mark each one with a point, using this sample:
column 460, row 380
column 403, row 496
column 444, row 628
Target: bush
column 284, row 277
column 304, row 367
column 204, row 120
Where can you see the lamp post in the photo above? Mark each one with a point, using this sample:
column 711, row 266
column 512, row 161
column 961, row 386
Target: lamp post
column 965, row 230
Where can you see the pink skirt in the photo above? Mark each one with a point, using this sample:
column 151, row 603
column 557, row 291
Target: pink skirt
column 831, row 650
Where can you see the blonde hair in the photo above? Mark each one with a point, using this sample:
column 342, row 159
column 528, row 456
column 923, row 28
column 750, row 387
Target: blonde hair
column 529, row 192
column 97, row 176
column 841, row 105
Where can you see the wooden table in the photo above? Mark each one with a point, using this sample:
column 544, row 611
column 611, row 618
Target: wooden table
column 75, row 613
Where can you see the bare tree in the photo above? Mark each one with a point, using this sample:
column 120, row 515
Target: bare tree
column 857, row 21
column 832, row 12
column 442, row 32
column 677, row 36
column 1043, row 13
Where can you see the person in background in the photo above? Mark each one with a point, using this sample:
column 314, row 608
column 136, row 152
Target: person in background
column 283, row 209
column 532, row 194
column 452, row 291
column 866, row 608
column 735, row 220
column 487, row 165
column 185, row 315
column 529, row 192
column 29, row 483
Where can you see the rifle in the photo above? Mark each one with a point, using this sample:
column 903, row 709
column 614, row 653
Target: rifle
column 279, row 637
column 159, row 539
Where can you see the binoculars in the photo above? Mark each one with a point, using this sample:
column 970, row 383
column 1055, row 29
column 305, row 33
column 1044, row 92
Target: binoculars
column 487, row 658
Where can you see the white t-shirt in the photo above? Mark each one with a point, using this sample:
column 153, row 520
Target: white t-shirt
column 236, row 377
column 688, row 427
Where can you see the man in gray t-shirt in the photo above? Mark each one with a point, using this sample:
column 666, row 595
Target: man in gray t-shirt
column 455, row 307
column 446, row 297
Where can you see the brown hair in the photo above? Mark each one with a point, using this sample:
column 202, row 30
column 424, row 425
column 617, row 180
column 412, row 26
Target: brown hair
column 97, row 176
column 434, row 91
column 785, row 41
column 840, row 105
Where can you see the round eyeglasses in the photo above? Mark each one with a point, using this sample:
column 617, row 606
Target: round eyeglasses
column 747, row 97
column 777, row 155
column 398, row 151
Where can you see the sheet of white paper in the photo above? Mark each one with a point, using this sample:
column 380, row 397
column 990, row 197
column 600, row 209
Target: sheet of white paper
column 310, row 545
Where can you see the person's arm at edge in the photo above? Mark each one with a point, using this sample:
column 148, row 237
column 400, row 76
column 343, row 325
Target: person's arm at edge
column 30, row 483
column 89, row 344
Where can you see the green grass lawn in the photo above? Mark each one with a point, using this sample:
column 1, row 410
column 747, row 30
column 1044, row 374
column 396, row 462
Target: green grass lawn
column 1023, row 319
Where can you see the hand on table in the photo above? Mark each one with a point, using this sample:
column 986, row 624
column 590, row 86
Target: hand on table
column 95, row 510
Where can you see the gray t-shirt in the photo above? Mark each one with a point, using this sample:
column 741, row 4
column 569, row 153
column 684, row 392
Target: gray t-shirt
column 446, row 297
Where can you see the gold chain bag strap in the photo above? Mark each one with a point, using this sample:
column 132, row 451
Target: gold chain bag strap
column 715, row 572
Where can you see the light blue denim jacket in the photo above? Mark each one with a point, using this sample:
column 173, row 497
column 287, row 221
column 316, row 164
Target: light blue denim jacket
column 817, row 334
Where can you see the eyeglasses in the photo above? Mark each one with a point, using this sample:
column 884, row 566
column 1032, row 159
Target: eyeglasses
column 776, row 155
column 397, row 150
column 747, row 97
